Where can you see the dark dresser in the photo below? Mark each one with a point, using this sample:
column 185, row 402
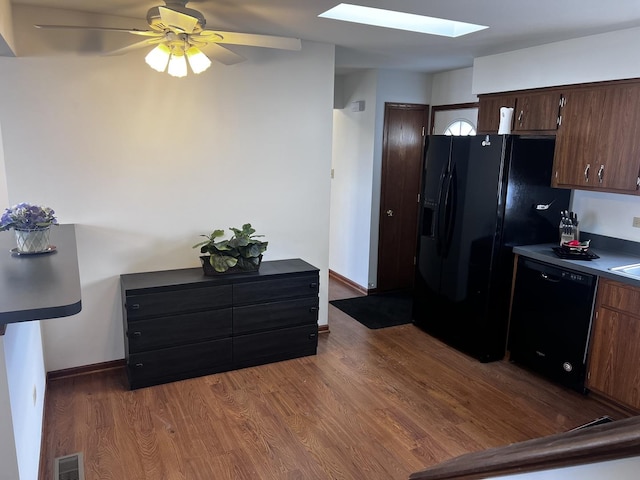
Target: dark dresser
column 181, row 324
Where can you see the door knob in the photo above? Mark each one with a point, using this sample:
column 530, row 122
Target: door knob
column 389, row 213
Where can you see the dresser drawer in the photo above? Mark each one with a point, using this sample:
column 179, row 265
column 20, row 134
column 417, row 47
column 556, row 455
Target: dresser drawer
column 178, row 329
column 268, row 316
column 178, row 301
column 270, row 290
column 169, row 364
column 274, row 346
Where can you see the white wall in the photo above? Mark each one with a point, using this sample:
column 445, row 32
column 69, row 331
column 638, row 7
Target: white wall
column 8, row 455
column 143, row 163
column 21, row 367
column 353, row 146
column 622, row 469
column 453, row 86
column 608, row 56
column 7, row 47
column 357, row 166
column 26, row 383
column 602, row 57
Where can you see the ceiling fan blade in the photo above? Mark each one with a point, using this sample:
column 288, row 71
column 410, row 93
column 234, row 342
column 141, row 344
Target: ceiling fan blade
column 135, row 46
column 252, row 39
column 177, row 21
column 135, row 31
column 222, row 54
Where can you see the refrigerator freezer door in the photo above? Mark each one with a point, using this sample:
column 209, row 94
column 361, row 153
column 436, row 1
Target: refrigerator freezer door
column 456, row 278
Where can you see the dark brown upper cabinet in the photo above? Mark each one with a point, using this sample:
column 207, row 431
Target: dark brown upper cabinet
column 596, row 125
column 534, row 112
column 489, row 111
column 598, row 139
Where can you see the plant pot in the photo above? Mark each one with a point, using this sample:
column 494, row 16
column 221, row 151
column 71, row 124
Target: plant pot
column 32, row 241
column 210, row 271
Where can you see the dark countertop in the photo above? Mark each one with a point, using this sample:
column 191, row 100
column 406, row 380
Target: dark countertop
column 612, row 254
column 37, row 287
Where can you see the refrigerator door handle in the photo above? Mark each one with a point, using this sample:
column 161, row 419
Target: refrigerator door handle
column 451, row 199
column 441, row 220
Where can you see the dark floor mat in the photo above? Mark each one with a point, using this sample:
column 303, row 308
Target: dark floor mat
column 378, row 310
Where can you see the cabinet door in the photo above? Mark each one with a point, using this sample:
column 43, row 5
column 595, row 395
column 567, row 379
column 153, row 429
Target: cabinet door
column 620, row 162
column 536, row 112
column 489, row 111
column 615, row 355
column 577, row 142
column 615, row 343
column 597, row 144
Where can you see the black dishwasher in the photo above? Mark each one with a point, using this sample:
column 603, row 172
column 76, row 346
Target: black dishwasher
column 551, row 320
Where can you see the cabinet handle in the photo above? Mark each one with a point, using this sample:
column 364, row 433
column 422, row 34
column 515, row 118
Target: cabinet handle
column 313, row 285
column 139, row 365
column 135, row 306
column 313, row 309
column 520, row 117
column 137, row 334
column 600, row 173
column 586, row 172
column 312, row 335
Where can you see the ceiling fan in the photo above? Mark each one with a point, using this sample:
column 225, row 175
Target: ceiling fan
column 179, row 33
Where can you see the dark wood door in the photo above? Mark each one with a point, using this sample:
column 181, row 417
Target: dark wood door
column 405, row 126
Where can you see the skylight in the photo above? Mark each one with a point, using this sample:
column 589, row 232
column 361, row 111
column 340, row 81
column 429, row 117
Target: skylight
column 399, row 20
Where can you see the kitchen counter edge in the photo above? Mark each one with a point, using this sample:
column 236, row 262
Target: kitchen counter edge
column 599, row 266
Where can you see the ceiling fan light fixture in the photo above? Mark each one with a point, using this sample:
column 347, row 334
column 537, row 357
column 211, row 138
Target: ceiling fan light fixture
column 198, row 61
column 177, row 64
column 158, row 57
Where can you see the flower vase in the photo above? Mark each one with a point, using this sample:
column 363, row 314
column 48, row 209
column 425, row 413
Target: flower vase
column 32, row 241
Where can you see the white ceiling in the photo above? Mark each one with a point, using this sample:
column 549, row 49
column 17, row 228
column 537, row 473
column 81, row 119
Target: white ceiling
column 514, row 24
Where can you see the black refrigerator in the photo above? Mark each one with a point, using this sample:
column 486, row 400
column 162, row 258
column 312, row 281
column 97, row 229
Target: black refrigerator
column 481, row 196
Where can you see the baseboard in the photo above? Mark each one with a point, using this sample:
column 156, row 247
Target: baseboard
column 349, row 283
column 85, row 369
column 323, row 328
column 623, row 410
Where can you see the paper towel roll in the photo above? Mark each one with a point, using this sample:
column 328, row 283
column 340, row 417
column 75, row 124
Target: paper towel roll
column 505, row 120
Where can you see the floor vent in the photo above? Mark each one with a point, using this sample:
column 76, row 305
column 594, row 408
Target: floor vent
column 69, row 467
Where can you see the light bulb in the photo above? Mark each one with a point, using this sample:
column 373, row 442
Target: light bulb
column 198, row 61
column 178, row 64
column 158, row 57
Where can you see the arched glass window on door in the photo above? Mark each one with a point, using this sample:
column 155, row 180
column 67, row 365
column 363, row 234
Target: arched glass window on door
column 460, row 127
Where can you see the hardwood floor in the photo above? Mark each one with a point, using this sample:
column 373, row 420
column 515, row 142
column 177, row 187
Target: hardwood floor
column 372, row 404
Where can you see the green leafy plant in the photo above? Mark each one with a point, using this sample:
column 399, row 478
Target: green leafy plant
column 243, row 250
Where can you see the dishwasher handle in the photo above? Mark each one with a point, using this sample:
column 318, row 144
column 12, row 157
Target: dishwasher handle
column 549, row 278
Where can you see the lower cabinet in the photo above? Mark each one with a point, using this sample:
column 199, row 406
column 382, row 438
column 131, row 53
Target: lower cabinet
column 615, row 344
column 181, row 324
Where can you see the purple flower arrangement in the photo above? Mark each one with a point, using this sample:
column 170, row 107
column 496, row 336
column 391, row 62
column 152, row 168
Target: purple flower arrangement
column 24, row 216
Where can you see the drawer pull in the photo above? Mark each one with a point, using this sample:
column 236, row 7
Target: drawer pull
column 135, row 306
column 313, row 309
column 312, row 336
column 139, row 365
column 313, row 285
column 137, row 334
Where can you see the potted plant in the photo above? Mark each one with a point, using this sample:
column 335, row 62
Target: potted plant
column 242, row 252
column 31, row 224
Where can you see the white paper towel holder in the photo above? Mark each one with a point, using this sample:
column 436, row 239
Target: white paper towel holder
column 506, row 114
